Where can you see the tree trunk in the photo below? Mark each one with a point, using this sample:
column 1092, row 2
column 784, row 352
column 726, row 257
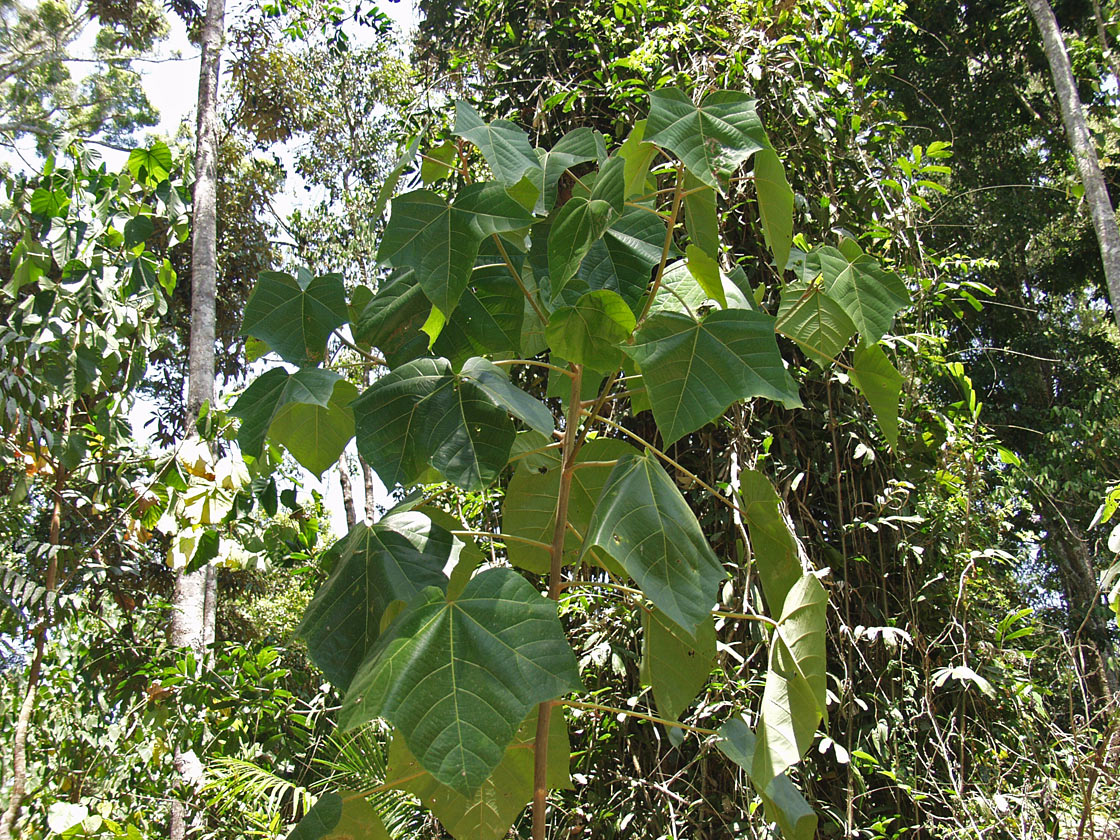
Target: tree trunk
column 367, row 477
column 347, row 491
column 1084, row 151
column 192, row 613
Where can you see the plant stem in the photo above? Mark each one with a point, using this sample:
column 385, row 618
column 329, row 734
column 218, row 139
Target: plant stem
column 535, row 363
column 491, row 535
column 596, row 707
column 678, row 195
column 544, row 713
column 520, row 283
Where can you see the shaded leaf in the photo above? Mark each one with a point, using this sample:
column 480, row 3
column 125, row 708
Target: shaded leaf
column 296, row 317
column 675, row 663
column 340, row 816
column 421, row 415
column 781, row 800
column 529, row 506
column 489, row 812
column 271, row 392
column 772, row 543
column 316, row 435
column 495, row 383
column 373, row 566
column 775, row 204
column 623, row 259
column 700, row 218
column 578, row 146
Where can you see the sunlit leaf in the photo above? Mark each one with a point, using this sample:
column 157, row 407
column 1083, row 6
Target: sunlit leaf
column 879, row 382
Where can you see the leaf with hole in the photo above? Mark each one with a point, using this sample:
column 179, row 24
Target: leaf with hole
column 675, row 663
column 458, row 676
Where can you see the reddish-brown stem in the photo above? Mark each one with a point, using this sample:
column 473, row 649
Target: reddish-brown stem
column 544, row 713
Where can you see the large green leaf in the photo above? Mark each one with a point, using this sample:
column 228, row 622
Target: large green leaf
column 316, row 435
column 578, row 146
column 439, row 242
column 374, row 566
column 775, row 204
column 529, row 507
column 712, row 140
column 495, row 383
column 870, row 295
column 793, row 700
column 392, row 319
column 296, row 317
column 639, row 155
column 490, row 316
column 772, row 543
column 458, row 676
column 422, row 414
column 504, row 145
column 644, row 524
column 693, row 370
column 880, row 384
column 322, row 399
column 818, row 324
column 706, row 272
column 592, row 331
column 623, row 259
column 345, row 815
column 675, row 662
column 488, row 813
column 782, row 802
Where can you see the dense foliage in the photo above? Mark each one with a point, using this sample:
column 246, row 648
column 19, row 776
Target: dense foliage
column 739, row 481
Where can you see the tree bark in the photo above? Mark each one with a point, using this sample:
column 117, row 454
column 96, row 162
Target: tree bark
column 1084, row 151
column 367, row 477
column 347, row 491
column 191, row 614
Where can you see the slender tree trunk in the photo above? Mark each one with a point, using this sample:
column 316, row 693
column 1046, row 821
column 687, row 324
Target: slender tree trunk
column 368, row 479
column 347, row 491
column 193, row 617
column 1081, row 142
column 27, row 708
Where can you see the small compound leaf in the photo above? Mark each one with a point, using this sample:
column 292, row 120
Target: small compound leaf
column 693, row 370
column 775, row 204
column 818, row 324
column 675, row 663
column 340, row 816
column 644, row 524
column 880, row 384
column 373, row 566
column 592, row 331
column 458, row 677
column 504, row 145
column 296, row 317
column 781, row 800
column 712, row 140
column 490, row 811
